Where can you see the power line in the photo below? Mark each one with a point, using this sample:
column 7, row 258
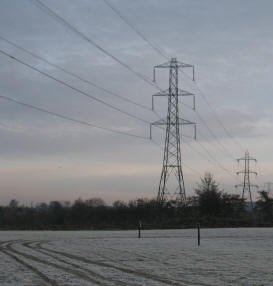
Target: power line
column 225, row 150
column 73, row 74
column 74, row 88
column 85, row 123
column 163, row 54
column 183, row 165
column 217, row 118
column 159, row 50
column 197, row 151
column 132, row 26
column 78, row 77
column 216, row 139
column 215, row 160
column 61, row 20
column 43, row 110
column 236, row 142
column 193, row 149
column 70, row 118
column 210, row 158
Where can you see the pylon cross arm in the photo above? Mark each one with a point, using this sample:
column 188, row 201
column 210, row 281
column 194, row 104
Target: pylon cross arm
column 185, row 122
column 184, row 65
column 174, row 64
column 247, row 159
column 243, row 172
column 251, row 185
column 180, row 121
column 181, row 92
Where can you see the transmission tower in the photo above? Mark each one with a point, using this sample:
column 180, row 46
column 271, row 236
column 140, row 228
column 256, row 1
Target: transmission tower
column 246, row 185
column 268, row 186
column 172, row 167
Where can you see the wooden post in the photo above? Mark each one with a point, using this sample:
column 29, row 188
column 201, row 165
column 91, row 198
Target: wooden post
column 139, row 229
column 198, row 231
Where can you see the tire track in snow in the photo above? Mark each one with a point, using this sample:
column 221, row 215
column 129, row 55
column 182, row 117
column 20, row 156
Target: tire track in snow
column 144, row 257
column 78, row 273
column 8, row 241
column 120, row 268
column 123, row 264
column 32, row 268
column 28, row 245
column 141, row 256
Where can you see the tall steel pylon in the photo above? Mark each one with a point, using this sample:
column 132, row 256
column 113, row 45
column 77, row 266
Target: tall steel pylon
column 172, row 154
column 268, row 186
column 246, row 185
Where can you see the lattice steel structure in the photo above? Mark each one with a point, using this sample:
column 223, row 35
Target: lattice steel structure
column 246, row 185
column 268, row 187
column 172, row 166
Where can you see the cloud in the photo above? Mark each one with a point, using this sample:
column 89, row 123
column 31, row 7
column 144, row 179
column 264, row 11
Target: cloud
column 229, row 42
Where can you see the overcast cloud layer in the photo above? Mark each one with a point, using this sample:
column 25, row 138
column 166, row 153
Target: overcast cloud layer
column 44, row 158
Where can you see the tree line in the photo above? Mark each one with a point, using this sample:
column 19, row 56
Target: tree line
column 210, row 207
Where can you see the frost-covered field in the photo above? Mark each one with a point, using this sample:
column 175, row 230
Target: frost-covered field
column 169, row 257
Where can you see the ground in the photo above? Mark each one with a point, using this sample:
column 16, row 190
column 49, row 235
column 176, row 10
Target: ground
column 160, row 257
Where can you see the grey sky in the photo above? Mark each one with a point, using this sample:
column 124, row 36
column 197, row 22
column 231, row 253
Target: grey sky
column 45, row 158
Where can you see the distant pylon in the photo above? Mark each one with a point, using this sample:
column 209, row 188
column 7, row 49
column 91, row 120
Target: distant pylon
column 172, row 154
column 268, row 186
column 246, row 185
